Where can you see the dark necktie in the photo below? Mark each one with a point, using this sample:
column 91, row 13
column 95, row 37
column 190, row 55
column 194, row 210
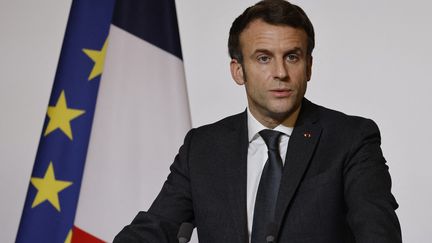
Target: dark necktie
column 268, row 188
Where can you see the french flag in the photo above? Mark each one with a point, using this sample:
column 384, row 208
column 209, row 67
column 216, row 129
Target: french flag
column 142, row 114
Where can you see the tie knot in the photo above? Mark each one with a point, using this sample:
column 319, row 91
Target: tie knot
column 271, row 138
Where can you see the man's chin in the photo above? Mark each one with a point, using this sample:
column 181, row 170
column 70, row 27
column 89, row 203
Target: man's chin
column 282, row 114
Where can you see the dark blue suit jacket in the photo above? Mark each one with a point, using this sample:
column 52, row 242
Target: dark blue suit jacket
column 335, row 186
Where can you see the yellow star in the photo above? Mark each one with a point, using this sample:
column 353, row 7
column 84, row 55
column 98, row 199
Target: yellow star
column 69, row 237
column 60, row 116
column 98, row 58
column 48, row 188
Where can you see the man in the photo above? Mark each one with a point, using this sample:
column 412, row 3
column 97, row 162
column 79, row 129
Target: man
column 285, row 168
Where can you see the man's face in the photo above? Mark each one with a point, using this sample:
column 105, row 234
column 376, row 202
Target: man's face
column 275, row 71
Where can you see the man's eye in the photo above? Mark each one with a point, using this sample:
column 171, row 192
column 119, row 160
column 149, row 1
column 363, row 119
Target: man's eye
column 263, row 59
column 292, row 58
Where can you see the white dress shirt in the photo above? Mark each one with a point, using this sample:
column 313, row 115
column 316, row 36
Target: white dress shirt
column 257, row 157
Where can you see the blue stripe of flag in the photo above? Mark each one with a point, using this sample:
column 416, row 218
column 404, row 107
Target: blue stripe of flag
column 152, row 21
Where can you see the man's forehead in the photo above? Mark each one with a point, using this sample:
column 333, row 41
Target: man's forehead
column 261, row 25
column 262, row 33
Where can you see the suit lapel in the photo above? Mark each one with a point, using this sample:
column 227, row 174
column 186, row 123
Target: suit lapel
column 301, row 146
column 236, row 182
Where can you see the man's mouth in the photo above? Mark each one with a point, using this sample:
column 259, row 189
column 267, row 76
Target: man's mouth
column 281, row 93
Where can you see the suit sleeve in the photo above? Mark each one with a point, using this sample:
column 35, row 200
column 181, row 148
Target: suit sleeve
column 367, row 189
column 172, row 206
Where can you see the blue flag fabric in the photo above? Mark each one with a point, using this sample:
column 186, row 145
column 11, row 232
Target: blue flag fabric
column 151, row 21
column 54, row 188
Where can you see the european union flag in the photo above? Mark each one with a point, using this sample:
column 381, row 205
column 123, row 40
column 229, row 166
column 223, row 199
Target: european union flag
column 52, row 196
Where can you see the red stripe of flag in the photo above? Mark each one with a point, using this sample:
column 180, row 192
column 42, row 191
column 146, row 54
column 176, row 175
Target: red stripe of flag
column 80, row 236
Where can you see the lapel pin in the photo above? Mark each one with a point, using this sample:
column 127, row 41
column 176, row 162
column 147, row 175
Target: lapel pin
column 307, row 135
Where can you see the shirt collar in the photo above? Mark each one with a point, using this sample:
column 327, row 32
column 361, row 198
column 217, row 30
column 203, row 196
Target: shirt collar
column 254, row 127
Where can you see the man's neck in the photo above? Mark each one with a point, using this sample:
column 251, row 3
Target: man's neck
column 272, row 122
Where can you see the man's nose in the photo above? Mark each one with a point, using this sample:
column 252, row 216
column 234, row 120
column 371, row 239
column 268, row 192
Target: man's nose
column 280, row 70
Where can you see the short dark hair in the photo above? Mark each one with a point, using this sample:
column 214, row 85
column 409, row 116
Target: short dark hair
column 276, row 12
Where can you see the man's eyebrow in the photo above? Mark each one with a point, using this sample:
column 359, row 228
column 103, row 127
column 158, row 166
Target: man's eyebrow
column 297, row 50
column 266, row 51
column 260, row 51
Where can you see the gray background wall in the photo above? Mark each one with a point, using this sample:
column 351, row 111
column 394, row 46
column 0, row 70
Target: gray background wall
column 371, row 59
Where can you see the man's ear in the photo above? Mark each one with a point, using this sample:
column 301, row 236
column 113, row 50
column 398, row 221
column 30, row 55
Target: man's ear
column 237, row 71
column 309, row 68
